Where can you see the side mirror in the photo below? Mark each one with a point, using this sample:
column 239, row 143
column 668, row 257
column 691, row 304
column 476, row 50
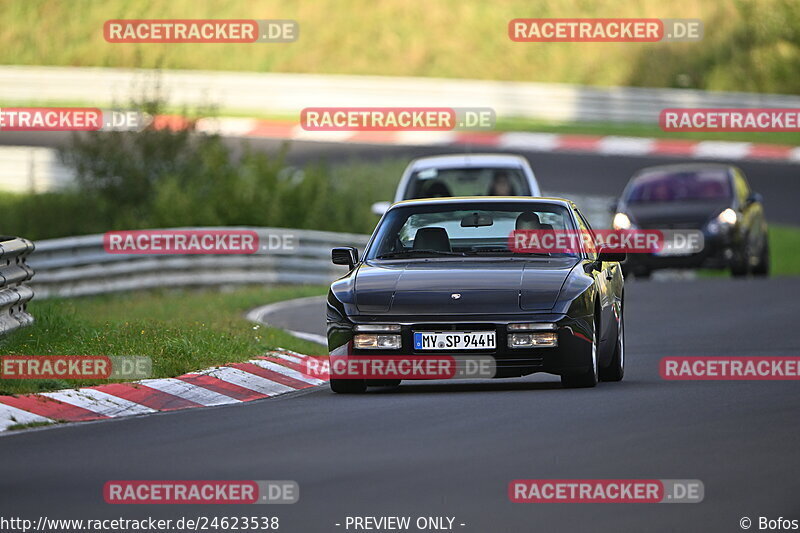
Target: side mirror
column 345, row 255
column 379, row 208
column 611, row 256
column 754, row 198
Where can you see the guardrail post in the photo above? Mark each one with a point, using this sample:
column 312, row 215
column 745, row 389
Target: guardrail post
column 14, row 293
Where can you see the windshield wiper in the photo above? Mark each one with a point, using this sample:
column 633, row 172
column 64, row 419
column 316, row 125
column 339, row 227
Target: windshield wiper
column 417, row 253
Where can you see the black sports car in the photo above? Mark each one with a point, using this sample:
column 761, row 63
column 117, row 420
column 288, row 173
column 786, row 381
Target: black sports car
column 713, row 198
column 440, row 276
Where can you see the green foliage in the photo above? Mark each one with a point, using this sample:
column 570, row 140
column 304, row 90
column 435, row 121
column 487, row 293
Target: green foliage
column 159, row 178
column 748, row 45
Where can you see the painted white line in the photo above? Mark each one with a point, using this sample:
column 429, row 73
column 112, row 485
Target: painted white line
column 721, row 149
column 286, row 357
column 626, row 145
column 269, row 365
column 187, row 391
column 794, row 155
column 259, row 315
column 313, row 337
column 99, row 402
column 227, row 127
column 299, row 134
column 249, row 381
column 11, row 415
column 545, row 142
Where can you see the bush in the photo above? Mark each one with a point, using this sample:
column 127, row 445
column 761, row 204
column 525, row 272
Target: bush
column 161, row 177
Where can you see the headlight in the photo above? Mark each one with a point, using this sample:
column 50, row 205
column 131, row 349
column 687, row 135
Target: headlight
column 727, row 217
column 722, row 222
column 622, row 221
column 376, row 342
column 533, row 340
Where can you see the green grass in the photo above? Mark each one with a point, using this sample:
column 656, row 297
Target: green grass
column 749, row 45
column 181, row 330
column 29, row 425
column 784, row 253
column 784, row 242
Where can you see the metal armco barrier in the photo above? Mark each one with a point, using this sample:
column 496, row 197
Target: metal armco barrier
column 77, row 266
column 14, row 294
column 289, row 93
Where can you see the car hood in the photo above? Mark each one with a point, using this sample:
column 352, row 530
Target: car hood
column 668, row 215
column 485, row 287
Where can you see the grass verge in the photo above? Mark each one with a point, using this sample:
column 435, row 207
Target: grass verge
column 784, row 253
column 784, row 242
column 181, row 330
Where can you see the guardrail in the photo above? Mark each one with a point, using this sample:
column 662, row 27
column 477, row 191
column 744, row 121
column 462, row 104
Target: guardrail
column 78, row 266
column 14, row 294
column 289, row 93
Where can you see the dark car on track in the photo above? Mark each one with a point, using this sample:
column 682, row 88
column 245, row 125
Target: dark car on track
column 444, row 268
column 713, row 198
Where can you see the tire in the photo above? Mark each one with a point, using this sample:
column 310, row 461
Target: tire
column 762, row 268
column 348, row 386
column 740, row 266
column 588, row 378
column 616, row 370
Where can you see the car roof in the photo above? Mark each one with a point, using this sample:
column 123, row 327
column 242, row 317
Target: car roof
column 469, row 160
column 468, row 200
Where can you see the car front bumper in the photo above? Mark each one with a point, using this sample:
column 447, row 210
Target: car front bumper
column 572, row 354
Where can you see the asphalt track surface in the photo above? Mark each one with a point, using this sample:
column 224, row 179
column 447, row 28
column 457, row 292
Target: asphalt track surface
column 586, row 174
column 447, row 449
column 451, row 449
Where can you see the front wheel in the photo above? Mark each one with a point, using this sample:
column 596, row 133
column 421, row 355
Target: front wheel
column 616, row 370
column 762, row 267
column 588, row 378
column 348, row 386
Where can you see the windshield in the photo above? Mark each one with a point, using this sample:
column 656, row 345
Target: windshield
column 713, row 184
column 485, row 181
column 450, row 230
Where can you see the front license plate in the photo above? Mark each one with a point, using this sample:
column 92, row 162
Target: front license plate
column 454, row 340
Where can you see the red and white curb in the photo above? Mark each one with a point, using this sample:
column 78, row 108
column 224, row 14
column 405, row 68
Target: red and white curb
column 542, row 142
column 266, row 376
